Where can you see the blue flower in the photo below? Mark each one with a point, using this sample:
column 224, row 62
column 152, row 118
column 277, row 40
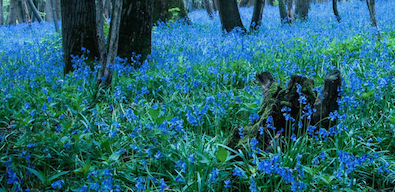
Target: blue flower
column 237, row 172
column 163, row 185
column 57, row 184
column 241, row 132
column 254, row 143
column 191, row 158
column 227, row 183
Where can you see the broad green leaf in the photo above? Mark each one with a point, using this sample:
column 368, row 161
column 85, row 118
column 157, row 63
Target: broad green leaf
column 368, row 94
column 222, row 154
column 392, row 119
column 160, row 120
column 36, row 173
column 153, row 113
column 113, row 158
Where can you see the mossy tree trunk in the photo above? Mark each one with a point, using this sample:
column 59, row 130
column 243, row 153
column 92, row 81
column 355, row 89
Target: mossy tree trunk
column 162, row 13
column 78, row 30
column 281, row 108
column 135, row 29
column 229, row 14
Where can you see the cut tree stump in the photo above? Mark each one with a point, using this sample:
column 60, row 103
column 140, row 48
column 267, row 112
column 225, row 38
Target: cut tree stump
column 282, row 109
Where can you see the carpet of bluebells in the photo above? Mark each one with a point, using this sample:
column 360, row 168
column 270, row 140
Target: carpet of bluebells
column 162, row 127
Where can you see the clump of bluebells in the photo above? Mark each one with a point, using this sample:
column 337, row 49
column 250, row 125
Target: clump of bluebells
column 161, row 127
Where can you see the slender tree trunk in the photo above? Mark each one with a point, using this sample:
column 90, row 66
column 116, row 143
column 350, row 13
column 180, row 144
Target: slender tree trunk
column 135, row 29
column 257, row 14
column 283, row 11
column 207, row 6
column 22, row 16
column 48, row 11
column 215, row 5
column 1, row 13
column 11, row 19
column 302, row 9
column 335, row 11
column 372, row 16
column 58, row 9
column 78, row 30
column 55, row 18
column 108, row 52
column 290, row 12
column 35, row 11
column 162, row 7
column 229, row 14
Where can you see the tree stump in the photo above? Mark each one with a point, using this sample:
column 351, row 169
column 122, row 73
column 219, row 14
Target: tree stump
column 282, row 110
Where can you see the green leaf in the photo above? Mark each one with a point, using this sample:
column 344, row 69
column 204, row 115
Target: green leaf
column 57, row 175
column 368, row 94
column 38, row 174
column 153, row 113
column 86, row 167
column 392, row 119
column 113, row 158
column 160, row 120
column 222, row 154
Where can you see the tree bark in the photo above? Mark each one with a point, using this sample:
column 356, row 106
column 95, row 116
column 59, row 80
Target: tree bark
column 11, row 19
column 78, row 30
column 302, row 9
column 283, row 11
column 21, row 13
column 275, row 121
column 215, row 5
column 135, row 29
column 229, row 15
column 207, row 6
column 48, row 11
column 372, row 16
column 1, row 13
column 335, row 11
column 162, row 7
column 290, row 12
column 35, row 11
column 107, row 56
column 257, row 14
column 243, row 3
column 55, row 18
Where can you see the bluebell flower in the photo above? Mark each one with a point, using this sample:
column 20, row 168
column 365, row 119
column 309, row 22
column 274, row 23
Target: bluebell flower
column 254, row 142
column 57, row 184
column 227, row 183
column 241, row 132
column 158, row 155
column 191, row 158
column 237, row 172
column 214, row 174
column 163, row 185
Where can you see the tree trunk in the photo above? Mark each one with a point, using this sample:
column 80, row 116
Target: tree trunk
column 35, row 11
column 257, row 14
column 78, row 30
column 48, row 11
column 335, row 11
column 229, row 14
column 11, row 19
column 58, row 9
column 243, row 3
column 1, row 13
column 207, row 6
column 135, row 29
column 281, row 107
column 215, row 5
column 108, row 52
column 162, row 7
column 21, row 13
column 372, row 16
column 302, row 9
column 55, row 18
column 290, row 12
column 283, row 11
